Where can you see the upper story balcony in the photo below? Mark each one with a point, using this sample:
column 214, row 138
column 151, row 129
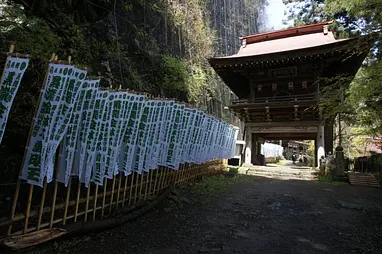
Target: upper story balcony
column 289, row 100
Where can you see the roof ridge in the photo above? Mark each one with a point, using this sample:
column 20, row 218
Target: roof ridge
column 286, row 33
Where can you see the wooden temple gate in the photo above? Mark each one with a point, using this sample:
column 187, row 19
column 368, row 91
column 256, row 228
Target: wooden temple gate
column 278, row 77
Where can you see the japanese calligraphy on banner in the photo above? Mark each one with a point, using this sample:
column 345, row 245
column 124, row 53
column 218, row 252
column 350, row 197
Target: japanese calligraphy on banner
column 62, row 117
column 10, row 82
column 143, row 136
column 106, row 132
column 127, row 156
column 175, row 129
column 165, row 132
column 151, row 137
column 158, row 134
column 120, row 114
column 83, row 103
column 53, row 115
column 89, row 169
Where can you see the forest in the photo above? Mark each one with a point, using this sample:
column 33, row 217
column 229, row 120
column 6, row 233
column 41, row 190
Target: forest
column 360, row 106
column 159, row 47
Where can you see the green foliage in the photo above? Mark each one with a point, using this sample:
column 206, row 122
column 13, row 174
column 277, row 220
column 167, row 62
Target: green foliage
column 366, row 98
column 160, row 47
column 174, row 74
column 324, row 178
column 215, row 186
column 360, row 105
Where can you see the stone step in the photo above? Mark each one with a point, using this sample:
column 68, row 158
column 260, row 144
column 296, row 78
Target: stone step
column 306, row 173
column 283, row 175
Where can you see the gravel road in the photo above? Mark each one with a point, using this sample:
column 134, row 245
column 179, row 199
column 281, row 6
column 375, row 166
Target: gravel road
column 255, row 215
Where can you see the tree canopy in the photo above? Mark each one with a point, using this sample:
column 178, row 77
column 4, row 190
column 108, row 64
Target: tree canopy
column 362, row 104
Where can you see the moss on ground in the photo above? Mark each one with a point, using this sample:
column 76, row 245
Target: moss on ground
column 214, row 186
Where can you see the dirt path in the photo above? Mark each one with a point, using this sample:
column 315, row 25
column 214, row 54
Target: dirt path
column 248, row 214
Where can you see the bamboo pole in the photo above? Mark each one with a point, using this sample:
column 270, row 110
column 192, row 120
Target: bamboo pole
column 104, row 198
column 87, row 202
column 57, row 170
column 10, row 51
column 155, row 181
column 182, row 175
column 17, row 191
column 131, row 188
column 162, row 176
column 34, row 213
column 141, row 187
column 151, row 181
column 95, row 202
column 67, row 201
column 119, row 189
column 136, row 189
column 112, row 194
column 147, row 184
column 28, row 208
column 179, row 173
column 165, row 177
column 77, row 200
column 124, row 191
column 160, row 168
column 41, row 208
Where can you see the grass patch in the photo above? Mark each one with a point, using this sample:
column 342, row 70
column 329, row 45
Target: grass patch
column 214, row 186
column 325, row 179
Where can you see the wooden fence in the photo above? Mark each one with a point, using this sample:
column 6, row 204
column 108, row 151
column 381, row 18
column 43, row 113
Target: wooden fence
column 56, row 205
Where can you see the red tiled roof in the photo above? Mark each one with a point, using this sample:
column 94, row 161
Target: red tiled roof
column 287, row 44
column 284, row 33
column 296, row 38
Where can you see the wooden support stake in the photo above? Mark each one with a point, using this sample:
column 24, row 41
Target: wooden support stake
column 77, row 200
column 151, row 181
column 27, row 210
column 87, row 202
column 95, row 202
column 179, row 173
column 112, row 195
column 161, row 183
column 136, row 189
column 147, row 184
column 41, row 208
column 165, row 183
column 131, row 188
column 141, row 187
column 104, row 198
column 182, row 175
column 124, row 191
column 67, row 201
column 155, row 181
column 119, row 189
column 57, row 170
column 160, row 179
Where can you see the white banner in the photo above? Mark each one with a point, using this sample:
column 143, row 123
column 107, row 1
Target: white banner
column 62, row 117
column 89, row 145
column 127, row 156
column 52, row 118
column 174, row 145
column 83, row 103
column 10, row 82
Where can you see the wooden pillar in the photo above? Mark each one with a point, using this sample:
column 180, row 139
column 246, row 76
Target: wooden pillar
column 328, row 138
column 320, row 144
column 248, row 147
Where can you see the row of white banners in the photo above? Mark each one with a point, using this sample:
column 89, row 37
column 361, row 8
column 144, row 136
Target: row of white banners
column 107, row 132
